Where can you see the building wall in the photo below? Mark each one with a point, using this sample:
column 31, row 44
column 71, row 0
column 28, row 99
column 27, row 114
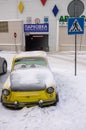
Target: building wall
column 35, row 9
column 67, row 42
column 7, row 39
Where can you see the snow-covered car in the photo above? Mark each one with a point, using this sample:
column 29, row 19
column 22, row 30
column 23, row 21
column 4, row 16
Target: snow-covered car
column 31, row 82
column 3, row 65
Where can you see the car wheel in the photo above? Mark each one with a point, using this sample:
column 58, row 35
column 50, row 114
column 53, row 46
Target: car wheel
column 1, row 99
column 4, row 67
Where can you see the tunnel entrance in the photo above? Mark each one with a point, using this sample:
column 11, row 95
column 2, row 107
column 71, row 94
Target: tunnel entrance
column 36, row 42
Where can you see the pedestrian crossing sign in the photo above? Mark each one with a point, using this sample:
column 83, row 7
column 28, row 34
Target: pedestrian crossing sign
column 76, row 26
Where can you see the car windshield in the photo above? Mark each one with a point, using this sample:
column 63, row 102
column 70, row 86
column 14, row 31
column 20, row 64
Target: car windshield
column 29, row 62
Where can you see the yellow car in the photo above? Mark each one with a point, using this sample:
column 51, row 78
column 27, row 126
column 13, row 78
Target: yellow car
column 30, row 83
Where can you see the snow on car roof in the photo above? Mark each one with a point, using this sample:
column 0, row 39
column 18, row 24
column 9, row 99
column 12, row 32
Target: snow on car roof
column 32, row 54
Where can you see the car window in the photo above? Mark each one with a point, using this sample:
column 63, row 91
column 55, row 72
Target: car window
column 27, row 62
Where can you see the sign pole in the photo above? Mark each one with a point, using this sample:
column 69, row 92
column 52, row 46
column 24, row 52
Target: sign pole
column 15, row 36
column 75, row 54
column 15, row 45
column 75, row 9
column 75, row 26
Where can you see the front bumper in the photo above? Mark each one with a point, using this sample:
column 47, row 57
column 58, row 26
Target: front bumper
column 40, row 103
column 28, row 98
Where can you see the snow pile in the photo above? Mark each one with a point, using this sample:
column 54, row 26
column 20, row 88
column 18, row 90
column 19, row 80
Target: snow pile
column 69, row 114
column 31, row 79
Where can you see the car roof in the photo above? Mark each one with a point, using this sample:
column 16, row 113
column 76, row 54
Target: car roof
column 32, row 54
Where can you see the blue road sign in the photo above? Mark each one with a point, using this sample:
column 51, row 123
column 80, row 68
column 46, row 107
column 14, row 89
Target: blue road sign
column 36, row 27
column 76, row 26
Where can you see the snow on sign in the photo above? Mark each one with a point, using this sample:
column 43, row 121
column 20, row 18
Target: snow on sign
column 76, row 26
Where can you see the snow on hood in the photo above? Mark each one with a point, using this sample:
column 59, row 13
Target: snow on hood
column 31, row 79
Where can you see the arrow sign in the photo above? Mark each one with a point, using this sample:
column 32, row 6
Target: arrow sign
column 76, row 26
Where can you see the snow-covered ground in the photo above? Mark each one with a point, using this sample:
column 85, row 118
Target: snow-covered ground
column 70, row 112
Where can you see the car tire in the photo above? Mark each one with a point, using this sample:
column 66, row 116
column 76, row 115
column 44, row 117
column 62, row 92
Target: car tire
column 4, row 67
column 1, row 99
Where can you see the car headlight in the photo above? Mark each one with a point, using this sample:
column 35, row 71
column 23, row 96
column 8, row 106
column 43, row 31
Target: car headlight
column 50, row 90
column 5, row 92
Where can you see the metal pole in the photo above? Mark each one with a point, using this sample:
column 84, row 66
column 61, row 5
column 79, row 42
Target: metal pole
column 75, row 54
column 75, row 15
column 15, row 45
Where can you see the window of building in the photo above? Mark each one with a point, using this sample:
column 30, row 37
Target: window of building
column 3, row 27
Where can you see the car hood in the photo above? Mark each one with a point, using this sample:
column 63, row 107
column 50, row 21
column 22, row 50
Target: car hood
column 31, row 79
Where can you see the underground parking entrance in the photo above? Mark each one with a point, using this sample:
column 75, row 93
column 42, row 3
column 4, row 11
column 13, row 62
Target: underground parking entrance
column 35, row 42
